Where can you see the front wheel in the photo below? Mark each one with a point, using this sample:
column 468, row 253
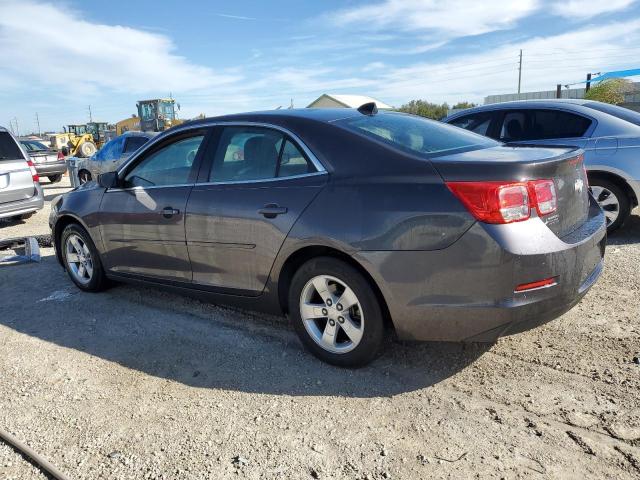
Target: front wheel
column 336, row 313
column 87, row 149
column 613, row 201
column 81, row 259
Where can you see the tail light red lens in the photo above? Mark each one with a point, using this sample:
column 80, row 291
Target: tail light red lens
column 506, row 202
column 545, row 194
column 60, row 156
column 34, row 173
column 547, row 282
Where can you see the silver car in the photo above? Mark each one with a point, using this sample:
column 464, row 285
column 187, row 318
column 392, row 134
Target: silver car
column 609, row 135
column 111, row 155
column 20, row 191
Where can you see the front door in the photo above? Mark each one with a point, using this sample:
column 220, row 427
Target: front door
column 254, row 184
column 142, row 220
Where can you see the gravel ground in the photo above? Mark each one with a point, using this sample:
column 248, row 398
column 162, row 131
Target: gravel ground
column 137, row 383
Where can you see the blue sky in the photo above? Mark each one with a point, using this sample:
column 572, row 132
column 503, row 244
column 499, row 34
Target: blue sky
column 215, row 57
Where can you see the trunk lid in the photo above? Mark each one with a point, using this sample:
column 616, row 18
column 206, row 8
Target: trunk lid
column 503, row 163
column 16, row 182
column 44, row 156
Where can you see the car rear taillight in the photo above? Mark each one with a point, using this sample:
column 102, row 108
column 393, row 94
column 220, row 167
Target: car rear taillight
column 506, row 202
column 60, row 156
column 545, row 196
column 34, row 173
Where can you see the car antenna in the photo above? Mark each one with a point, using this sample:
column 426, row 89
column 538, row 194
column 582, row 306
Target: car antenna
column 368, row 108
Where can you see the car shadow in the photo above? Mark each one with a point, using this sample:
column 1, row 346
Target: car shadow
column 201, row 345
column 629, row 233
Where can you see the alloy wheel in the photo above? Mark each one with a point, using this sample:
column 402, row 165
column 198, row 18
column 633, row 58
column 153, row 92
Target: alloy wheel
column 608, row 201
column 78, row 257
column 331, row 314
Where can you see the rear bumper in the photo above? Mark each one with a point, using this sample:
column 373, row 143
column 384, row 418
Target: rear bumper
column 466, row 292
column 51, row 168
column 22, row 207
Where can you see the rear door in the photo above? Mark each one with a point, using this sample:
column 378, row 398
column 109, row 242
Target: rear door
column 254, row 184
column 142, row 221
column 544, row 127
column 16, row 181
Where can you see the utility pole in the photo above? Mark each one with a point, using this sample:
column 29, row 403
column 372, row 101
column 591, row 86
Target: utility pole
column 520, row 72
column 588, row 82
column 90, row 117
column 15, row 119
column 38, row 122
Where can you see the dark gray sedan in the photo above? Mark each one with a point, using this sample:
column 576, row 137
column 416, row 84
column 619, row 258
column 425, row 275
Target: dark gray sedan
column 352, row 222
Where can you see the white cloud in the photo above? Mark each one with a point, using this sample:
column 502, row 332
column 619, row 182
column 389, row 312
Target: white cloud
column 42, row 44
column 582, row 9
column 558, row 59
column 451, row 19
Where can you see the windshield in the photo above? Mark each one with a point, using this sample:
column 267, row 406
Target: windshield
column 33, row 146
column 147, row 111
column 630, row 116
column 416, row 134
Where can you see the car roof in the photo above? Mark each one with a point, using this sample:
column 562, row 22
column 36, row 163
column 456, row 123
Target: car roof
column 318, row 114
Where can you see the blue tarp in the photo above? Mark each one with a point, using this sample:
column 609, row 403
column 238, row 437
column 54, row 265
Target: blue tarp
column 608, row 75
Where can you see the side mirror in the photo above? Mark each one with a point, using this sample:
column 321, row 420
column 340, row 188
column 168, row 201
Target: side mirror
column 108, row 180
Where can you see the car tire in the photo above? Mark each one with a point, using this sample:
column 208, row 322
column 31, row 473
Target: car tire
column 84, row 176
column 326, row 336
column 55, row 178
column 612, row 199
column 74, row 239
column 87, row 149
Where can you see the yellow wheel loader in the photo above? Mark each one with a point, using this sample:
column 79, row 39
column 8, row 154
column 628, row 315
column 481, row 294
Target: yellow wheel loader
column 75, row 141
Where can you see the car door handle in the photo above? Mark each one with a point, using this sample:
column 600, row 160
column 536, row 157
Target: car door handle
column 168, row 212
column 272, row 210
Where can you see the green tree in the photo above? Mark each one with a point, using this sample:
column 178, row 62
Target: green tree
column 610, row 91
column 463, row 105
column 425, row 109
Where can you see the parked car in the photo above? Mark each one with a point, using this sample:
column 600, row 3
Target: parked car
column 20, row 191
column 346, row 220
column 49, row 163
column 609, row 135
column 111, row 155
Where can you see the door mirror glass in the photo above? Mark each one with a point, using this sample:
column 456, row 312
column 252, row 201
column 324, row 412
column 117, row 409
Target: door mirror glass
column 108, row 180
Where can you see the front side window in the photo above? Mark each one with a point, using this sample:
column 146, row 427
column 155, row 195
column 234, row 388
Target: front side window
column 170, row 165
column 253, row 153
column 415, row 134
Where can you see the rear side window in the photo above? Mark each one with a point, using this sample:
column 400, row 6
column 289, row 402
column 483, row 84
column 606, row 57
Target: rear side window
column 415, row 134
column 557, row 124
column 477, row 123
column 254, row 153
column 134, row 143
column 9, row 149
column 542, row 125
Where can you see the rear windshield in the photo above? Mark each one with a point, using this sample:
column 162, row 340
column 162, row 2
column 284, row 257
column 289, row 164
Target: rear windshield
column 416, row 134
column 9, row 149
column 620, row 112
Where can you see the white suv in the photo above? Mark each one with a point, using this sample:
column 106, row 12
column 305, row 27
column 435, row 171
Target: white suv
column 20, row 191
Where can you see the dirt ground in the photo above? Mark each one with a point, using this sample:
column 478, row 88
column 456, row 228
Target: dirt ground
column 135, row 383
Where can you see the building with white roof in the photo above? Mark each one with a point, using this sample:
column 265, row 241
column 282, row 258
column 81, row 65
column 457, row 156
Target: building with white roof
column 330, row 100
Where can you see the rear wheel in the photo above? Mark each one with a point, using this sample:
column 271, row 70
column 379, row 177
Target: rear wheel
column 84, row 176
column 336, row 313
column 613, row 200
column 55, row 178
column 81, row 259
